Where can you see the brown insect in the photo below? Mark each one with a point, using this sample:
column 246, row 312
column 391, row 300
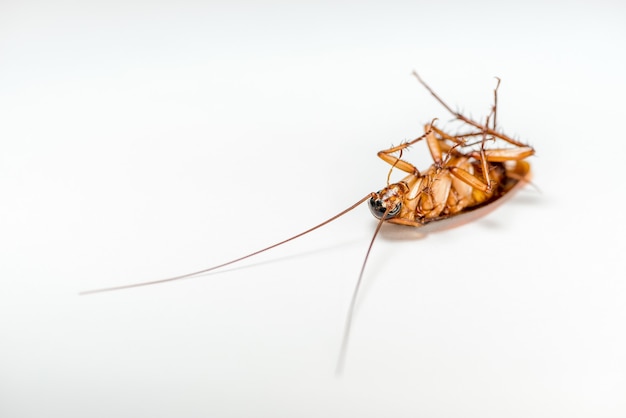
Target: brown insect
column 473, row 171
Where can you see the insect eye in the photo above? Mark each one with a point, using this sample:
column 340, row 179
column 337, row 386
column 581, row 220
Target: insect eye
column 378, row 207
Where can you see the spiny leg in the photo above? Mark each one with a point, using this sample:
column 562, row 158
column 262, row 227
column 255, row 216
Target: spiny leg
column 490, row 156
column 470, row 179
column 483, row 159
column 495, row 103
column 457, row 139
column 461, row 117
column 433, row 146
column 398, row 162
column 500, row 155
column 486, row 156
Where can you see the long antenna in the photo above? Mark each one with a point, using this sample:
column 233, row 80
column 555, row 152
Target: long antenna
column 195, row 273
column 346, row 333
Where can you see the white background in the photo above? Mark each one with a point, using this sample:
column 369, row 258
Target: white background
column 140, row 140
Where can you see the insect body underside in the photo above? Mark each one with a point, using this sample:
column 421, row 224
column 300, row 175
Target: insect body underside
column 469, row 171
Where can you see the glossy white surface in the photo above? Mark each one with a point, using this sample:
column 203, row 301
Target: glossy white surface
column 140, row 141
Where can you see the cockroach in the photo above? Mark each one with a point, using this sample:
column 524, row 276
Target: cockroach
column 473, row 172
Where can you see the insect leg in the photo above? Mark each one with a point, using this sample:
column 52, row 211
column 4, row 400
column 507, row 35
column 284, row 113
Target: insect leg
column 498, row 155
column 386, row 155
column 487, row 156
column 433, row 144
column 495, row 103
column 470, row 179
column 483, row 159
column 457, row 139
column 461, row 117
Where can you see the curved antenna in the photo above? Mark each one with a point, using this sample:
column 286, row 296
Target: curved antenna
column 195, row 273
column 346, row 331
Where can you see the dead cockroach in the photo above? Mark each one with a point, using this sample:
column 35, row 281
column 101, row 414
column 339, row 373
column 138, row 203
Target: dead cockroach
column 472, row 173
